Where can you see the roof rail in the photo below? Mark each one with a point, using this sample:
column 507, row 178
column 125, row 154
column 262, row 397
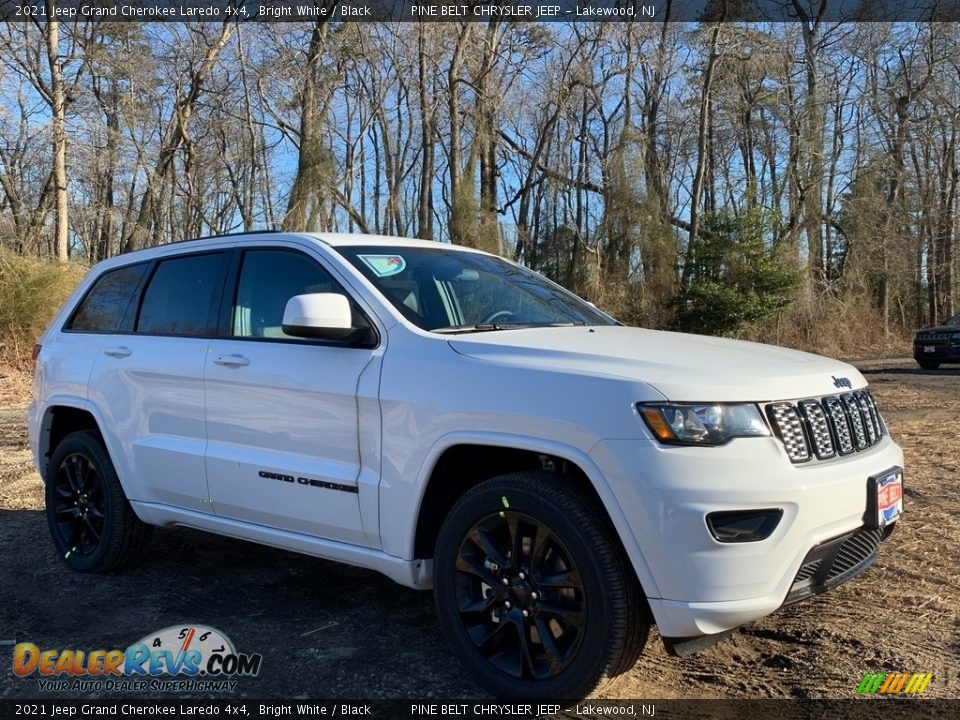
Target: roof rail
column 226, row 235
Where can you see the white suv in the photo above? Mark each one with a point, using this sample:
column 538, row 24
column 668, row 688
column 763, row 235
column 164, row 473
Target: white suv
column 456, row 421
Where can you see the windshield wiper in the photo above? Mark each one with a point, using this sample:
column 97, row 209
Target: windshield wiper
column 457, row 329
column 489, row 327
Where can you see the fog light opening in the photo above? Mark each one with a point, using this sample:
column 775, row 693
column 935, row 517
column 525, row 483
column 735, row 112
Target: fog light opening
column 739, row 526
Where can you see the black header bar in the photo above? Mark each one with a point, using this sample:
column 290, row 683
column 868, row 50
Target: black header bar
column 489, row 709
column 478, row 10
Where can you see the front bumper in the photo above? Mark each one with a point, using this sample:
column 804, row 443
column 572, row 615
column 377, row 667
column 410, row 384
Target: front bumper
column 699, row 586
column 944, row 351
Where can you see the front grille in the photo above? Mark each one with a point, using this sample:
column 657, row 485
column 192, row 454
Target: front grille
column 828, row 426
column 934, row 336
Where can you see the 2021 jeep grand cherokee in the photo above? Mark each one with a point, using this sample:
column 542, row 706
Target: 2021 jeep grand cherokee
column 454, row 420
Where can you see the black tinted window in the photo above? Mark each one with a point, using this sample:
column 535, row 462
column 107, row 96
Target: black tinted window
column 180, row 295
column 104, row 307
column 268, row 279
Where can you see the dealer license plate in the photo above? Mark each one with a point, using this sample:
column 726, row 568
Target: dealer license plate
column 889, row 505
column 929, row 348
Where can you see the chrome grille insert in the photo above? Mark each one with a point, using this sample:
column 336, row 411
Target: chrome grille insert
column 841, row 426
column 856, row 420
column 828, row 426
column 789, row 426
column 819, row 429
column 871, row 429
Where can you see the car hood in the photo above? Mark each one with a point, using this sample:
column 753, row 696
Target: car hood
column 940, row 329
column 681, row 367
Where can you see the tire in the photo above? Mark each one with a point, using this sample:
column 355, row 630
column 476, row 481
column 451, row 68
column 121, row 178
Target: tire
column 92, row 525
column 928, row 364
column 569, row 574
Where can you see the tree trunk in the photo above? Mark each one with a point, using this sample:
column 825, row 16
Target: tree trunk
column 702, row 149
column 425, row 203
column 174, row 138
column 58, row 107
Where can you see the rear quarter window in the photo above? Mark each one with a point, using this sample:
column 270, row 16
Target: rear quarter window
column 106, row 307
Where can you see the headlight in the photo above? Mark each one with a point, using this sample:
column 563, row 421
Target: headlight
column 702, row 424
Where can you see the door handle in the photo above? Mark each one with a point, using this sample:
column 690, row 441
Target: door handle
column 118, row 352
column 232, row 360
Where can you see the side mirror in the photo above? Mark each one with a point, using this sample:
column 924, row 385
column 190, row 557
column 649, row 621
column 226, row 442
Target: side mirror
column 318, row 315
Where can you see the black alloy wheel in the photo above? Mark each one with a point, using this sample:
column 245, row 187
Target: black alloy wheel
column 534, row 589
column 520, row 596
column 91, row 523
column 79, row 506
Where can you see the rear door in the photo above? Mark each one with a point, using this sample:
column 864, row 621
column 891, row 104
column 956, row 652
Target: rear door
column 282, row 417
column 107, row 309
column 148, row 380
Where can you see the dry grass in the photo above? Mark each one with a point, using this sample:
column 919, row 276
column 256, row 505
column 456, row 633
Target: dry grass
column 827, row 326
column 15, row 386
column 31, row 292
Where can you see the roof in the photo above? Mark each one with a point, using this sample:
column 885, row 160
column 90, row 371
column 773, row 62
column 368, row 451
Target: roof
column 253, row 236
column 353, row 239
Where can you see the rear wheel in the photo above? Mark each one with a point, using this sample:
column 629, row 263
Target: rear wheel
column 928, row 364
column 92, row 525
column 533, row 589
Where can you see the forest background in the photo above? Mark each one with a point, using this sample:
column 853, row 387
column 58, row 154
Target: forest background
column 794, row 183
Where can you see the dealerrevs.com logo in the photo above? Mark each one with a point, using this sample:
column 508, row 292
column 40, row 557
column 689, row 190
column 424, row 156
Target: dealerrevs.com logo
column 178, row 658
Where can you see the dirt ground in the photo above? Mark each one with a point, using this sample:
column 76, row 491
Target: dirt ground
column 331, row 631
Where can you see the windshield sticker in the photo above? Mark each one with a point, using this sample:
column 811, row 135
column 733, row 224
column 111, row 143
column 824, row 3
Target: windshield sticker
column 384, row 265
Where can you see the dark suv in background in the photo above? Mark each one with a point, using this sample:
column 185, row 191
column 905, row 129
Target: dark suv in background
column 939, row 344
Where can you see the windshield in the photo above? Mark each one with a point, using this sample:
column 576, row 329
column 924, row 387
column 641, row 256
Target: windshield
column 955, row 320
column 455, row 291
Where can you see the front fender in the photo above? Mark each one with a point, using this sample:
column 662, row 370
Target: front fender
column 408, row 530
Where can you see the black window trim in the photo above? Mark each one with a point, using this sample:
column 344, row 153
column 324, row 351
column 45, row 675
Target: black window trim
column 214, row 300
column 228, row 302
column 132, row 302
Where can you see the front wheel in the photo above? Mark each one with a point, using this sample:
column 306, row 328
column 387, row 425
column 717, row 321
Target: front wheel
column 92, row 525
column 534, row 591
column 928, row 364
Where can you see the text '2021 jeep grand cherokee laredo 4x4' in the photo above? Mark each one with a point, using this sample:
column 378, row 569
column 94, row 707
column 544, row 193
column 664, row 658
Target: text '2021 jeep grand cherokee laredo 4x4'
column 456, row 421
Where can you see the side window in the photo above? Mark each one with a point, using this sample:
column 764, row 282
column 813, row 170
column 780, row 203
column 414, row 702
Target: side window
column 179, row 296
column 268, row 279
column 105, row 306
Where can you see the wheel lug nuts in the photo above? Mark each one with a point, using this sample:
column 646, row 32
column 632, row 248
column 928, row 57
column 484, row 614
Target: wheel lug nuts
column 507, row 605
column 526, row 613
column 523, row 576
column 505, row 581
column 534, row 595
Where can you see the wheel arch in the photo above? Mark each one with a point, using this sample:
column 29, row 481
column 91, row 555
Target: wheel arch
column 492, row 455
column 62, row 416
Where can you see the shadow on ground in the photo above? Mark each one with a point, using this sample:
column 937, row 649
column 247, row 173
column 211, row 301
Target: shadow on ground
column 317, row 624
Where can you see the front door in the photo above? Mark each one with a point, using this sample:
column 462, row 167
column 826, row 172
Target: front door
column 282, row 427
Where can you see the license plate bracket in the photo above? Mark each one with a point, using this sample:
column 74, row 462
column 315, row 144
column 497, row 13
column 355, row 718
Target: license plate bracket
column 884, row 498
